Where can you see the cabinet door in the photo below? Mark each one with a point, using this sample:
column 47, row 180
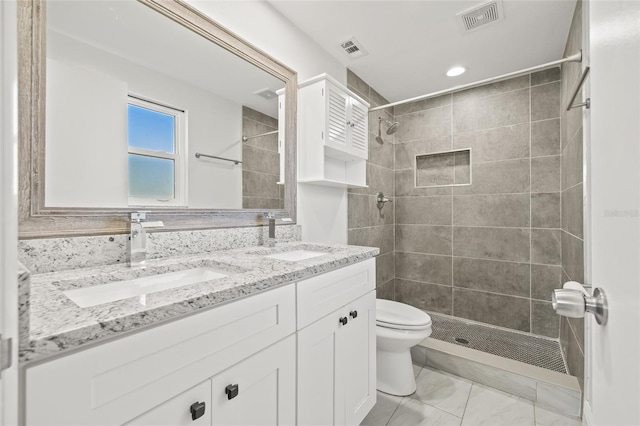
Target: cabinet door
column 316, row 371
column 337, row 102
column 266, row 389
column 177, row 411
column 359, row 127
column 356, row 360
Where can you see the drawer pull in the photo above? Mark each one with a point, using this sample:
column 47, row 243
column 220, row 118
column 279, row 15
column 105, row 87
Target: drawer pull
column 197, row 410
column 231, row 391
column 354, row 314
column 344, row 320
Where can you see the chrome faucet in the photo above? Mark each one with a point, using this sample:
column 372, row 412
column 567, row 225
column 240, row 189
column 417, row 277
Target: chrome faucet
column 271, row 242
column 138, row 238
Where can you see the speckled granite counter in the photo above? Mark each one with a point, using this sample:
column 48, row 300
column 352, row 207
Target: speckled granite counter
column 58, row 324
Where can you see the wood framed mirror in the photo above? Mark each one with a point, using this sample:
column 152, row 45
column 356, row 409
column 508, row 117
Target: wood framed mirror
column 42, row 215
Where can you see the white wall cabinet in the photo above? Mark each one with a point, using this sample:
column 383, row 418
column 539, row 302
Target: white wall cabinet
column 333, row 139
column 336, row 354
column 238, row 359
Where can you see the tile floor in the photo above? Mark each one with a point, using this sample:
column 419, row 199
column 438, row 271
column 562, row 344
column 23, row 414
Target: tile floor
column 442, row 399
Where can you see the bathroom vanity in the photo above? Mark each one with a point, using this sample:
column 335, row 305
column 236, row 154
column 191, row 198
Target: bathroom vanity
column 286, row 337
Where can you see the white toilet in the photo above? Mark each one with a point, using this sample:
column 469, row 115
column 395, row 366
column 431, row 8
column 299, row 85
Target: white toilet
column 399, row 327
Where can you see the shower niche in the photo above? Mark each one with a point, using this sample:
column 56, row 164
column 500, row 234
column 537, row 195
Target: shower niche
column 448, row 168
column 333, row 139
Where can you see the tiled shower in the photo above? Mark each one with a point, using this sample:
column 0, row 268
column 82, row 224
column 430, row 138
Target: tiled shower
column 490, row 250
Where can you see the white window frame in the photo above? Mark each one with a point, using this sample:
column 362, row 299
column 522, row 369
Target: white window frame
column 179, row 157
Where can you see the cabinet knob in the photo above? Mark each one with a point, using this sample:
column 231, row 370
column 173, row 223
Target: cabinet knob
column 348, row 123
column 231, row 391
column 344, row 320
column 197, row 410
column 354, row 314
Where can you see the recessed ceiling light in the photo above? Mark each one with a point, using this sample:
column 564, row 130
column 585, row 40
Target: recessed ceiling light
column 455, row 71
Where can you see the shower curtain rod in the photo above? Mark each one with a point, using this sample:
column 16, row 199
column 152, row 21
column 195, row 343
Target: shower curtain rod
column 246, row 138
column 576, row 57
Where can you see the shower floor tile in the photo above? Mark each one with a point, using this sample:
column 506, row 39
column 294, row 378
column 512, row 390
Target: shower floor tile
column 523, row 347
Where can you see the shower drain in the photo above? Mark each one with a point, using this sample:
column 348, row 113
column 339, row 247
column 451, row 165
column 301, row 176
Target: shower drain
column 461, row 340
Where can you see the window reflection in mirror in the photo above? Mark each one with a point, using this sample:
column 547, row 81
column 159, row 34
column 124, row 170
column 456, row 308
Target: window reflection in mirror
column 106, row 59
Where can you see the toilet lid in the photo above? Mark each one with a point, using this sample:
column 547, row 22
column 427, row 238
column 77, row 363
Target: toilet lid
column 400, row 314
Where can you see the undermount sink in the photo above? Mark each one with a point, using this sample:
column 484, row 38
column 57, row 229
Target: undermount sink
column 105, row 293
column 296, row 255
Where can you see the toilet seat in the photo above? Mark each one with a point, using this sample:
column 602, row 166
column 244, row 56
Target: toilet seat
column 390, row 314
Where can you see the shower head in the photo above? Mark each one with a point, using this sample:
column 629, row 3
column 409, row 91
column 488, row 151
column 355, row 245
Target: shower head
column 392, row 127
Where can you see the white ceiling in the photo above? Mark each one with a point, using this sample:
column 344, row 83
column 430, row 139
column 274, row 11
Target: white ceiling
column 412, row 44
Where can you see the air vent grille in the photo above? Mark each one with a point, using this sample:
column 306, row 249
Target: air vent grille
column 353, row 48
column 481, row 16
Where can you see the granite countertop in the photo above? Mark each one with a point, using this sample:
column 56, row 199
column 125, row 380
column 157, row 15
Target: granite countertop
column 59, row 324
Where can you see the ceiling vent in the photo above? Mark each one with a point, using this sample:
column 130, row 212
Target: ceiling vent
column 353, row 48
column 266, row 93
column 481, row 15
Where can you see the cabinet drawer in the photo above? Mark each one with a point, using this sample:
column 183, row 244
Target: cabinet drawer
column 177, row 411
column 117, row 381
column 321, row 295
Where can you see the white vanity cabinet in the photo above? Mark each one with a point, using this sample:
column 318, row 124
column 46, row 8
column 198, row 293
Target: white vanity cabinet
column 150, row 375
column 333, row 135
column 337, row 346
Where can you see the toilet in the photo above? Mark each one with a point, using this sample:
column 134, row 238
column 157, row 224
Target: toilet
column 399, row 327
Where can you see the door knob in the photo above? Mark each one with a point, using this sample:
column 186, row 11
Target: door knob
column 574, row 301
column 344, row 320
column 197, row 410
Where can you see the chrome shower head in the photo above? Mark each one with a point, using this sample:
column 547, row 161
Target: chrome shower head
column 392, row 127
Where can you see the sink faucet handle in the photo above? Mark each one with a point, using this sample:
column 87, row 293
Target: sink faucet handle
column 138, row 216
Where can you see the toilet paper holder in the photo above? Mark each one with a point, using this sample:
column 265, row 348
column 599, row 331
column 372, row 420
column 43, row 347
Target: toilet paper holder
column 573, row 301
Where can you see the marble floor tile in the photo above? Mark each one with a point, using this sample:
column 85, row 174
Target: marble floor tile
column 443, row 391
column 563, row 400
column 414, row 413
column 383, row 410
column 545, row 417
column 416, row 370
column 487, row 406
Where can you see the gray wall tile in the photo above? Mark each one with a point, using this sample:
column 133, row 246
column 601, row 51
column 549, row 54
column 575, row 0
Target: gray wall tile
column 382, row 237
column 259, row 185
column 406, row 151
column 424, row 210
column 381, row 151
column 421, row 105
column 384, row 216
column 496, row 309
column 545, row 174
column 544, row 320
column 424, row 267
column 430, row 297
column 501, row 177
column 493, row 276
column 545, row 101
column 503, row 143
column 380, row 180
column 386, row 291
column 435, row 169
column 491, row 89
column 359, row 237
column 491, row 210
column 427, row 124
column 545, row 210
column 356, row 84
column 545, row 279
column 573, row 257
column 423, row 239
column 358, row 210
column 462, row 170
column 491, row 111
column 385, row 268
column 545, row 137
column 545, row 76
column 572, row 162
column 492, row 243
column 572, row 218
column 546, row 246
column 405, row 186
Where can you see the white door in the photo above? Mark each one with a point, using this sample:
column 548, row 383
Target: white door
column 356, row 363
column 8, row 209
column 260, row 390
column 613, row 238
column 337, row 102
column 359, row 128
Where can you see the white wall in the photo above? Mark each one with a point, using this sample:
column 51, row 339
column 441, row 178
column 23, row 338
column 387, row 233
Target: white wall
column 214, row 127
column 322, row 211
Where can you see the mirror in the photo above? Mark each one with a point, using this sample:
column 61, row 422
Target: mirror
column 148, row 105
